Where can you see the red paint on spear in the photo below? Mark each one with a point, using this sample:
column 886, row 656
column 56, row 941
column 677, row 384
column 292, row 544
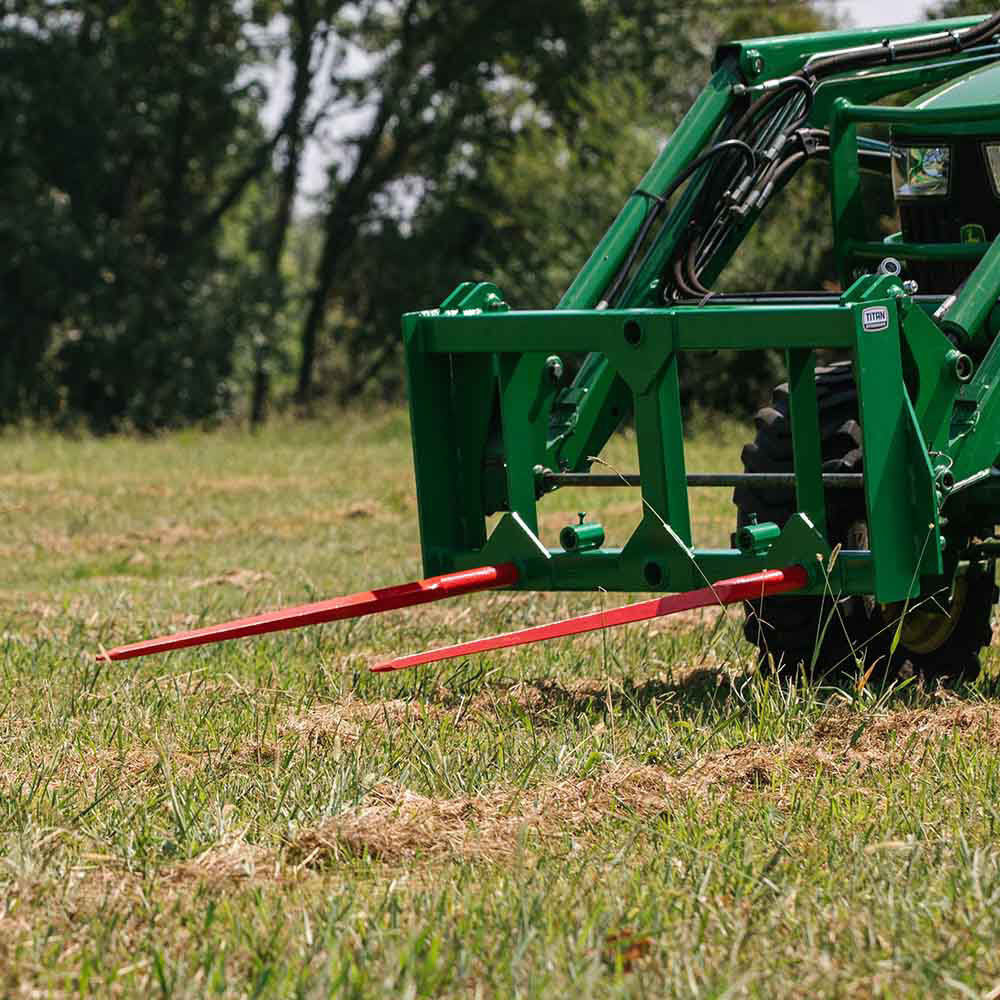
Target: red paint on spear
column 368, row 602
column 741, row 588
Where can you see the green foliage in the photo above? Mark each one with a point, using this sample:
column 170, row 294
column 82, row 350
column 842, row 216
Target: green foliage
column 526, row 213
column 545, row 205
column 124, row 129
column 150, row 277
column 451, row 85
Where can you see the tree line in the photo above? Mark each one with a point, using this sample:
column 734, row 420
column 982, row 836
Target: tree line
column 160, row 265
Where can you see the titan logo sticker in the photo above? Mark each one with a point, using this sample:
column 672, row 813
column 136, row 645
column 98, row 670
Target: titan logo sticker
column 874, row 319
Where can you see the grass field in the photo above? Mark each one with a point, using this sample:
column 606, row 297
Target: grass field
column 630, row 814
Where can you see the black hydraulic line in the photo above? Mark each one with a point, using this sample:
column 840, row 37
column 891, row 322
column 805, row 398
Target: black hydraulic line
column 761, row 192
column 659, row 201
column 647, row 224
column 761, row 131
column 792, row 162
column 755, row 108
column 805, row 144
column 681, row 281
column 831, row 480
column 771, row 134
column 776, row 178
column 778, row 90
column 904, row 51
column 890, row 52
column 691, row 269
column 803, row 116
column 776, row 172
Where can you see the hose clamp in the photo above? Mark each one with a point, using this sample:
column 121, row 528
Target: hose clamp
column 639, row 192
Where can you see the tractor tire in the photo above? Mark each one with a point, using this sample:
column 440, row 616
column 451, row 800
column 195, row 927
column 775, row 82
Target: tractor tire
column 940, row 642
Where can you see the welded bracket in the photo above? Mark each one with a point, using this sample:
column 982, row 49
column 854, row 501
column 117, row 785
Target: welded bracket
column 800, row 542
column 512, row 540
column 656, row 554
column 903, row 524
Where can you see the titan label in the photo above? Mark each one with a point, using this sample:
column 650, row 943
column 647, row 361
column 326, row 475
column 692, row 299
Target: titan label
column 874, row 319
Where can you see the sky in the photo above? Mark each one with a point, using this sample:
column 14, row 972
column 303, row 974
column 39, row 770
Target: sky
column 866, row 12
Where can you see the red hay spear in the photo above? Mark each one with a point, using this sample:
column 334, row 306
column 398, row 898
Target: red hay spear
column 368, row 602
column 741, row 588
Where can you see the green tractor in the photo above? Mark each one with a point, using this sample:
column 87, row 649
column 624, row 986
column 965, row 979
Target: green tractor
column 869, row 498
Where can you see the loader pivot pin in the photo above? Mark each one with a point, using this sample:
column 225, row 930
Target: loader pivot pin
column 367, row 602
column 740, row 588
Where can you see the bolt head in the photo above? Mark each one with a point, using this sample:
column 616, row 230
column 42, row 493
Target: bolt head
column 753, row 63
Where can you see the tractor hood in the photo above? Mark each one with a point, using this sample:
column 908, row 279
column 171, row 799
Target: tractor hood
column 978, row 89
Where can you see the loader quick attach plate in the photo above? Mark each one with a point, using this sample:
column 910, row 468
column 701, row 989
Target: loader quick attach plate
column 494, row 429
column 477, row 369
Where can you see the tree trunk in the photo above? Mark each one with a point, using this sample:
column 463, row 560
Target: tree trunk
column 317, row 307
column 339, row 230
column 304, row 25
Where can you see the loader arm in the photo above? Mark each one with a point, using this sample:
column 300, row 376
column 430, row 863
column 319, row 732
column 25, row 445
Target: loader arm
column 586, row 413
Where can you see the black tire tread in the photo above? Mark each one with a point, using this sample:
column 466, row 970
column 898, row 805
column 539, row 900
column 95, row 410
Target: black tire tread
column 785, row 629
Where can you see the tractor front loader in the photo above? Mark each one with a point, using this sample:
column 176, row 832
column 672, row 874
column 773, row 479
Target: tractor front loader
column 870, row 496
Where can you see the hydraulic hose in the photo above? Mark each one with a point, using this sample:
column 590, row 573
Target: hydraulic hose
column 783, row 85
column 681, row 281
column 659, row 201
column 692, row 270
column 761, row 116
column 769, row 135
column 765, row 132
column 917, row 48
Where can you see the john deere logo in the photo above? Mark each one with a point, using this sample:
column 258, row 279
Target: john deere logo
column 875, row 318
column 973, row 233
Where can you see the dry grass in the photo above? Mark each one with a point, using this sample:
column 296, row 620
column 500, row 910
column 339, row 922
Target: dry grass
column 395, row 823
column 349, row 719
column 232, row 860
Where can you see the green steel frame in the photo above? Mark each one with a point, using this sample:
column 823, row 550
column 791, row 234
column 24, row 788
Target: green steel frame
column 489, row 416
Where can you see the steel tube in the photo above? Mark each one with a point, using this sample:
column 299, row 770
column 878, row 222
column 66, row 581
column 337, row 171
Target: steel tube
column 832, row 480
column 977, row 298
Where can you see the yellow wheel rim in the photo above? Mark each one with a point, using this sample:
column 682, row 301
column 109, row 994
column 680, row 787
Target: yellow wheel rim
column 928, row 628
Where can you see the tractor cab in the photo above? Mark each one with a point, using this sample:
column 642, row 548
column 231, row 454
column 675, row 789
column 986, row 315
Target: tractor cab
column 946, row 178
